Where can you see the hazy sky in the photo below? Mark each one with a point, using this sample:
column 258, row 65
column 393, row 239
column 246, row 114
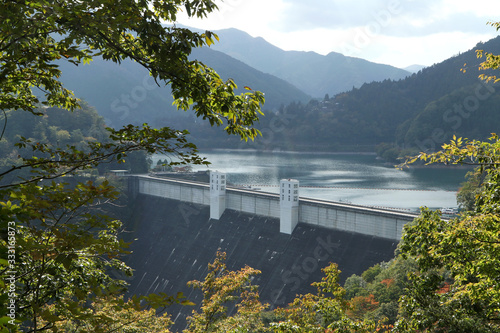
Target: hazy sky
column 395, row 32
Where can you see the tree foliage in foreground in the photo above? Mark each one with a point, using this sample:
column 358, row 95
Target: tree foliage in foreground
column 492, row 61
column 231, row 304
column 455, row 285
column 61, row 250
column 223, row 291
column 116, row 315
column 455, row 288
column 374, row 295
column 35, row 34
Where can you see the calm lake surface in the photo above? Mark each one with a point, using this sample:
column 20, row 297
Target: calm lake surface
column 356, row 178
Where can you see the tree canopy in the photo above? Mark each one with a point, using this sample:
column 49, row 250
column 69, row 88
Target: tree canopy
column 35, row 34
column 455, row 286
column 61, row 248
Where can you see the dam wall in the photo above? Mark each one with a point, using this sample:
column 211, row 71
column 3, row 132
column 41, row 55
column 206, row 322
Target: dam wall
column 352, row 218
column 339, row 216
column 172, row 243
column 172, row 189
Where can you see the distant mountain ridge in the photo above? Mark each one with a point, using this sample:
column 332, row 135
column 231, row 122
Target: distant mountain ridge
column 418, row 113
column 276, row 90
column 311, row 72
column 414, row 68
column 408, row 112
column 127, row 94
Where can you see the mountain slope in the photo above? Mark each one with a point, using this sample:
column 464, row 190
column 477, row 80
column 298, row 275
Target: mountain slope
column 126, row 93
column 445, row 88
column 420, row 112
column 276, row 90
column 471, row 111
column 311, row 72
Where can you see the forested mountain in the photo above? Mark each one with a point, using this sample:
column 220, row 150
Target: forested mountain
column 471, row 111
column 53, row 126
column 431, row 105
column 277, row 91
column 311, row 72
column 127, row 94
column 420, row 112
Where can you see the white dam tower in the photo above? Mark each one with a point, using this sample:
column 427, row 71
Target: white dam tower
column 217, row 194
column 289, row 205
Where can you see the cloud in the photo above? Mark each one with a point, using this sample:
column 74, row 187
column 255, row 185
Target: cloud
column 406, row 26
column 390, row 17
column 347, row 14
column 397, row 32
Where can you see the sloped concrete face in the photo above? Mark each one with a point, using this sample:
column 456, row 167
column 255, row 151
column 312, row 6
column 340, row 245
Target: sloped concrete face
column 176, row 240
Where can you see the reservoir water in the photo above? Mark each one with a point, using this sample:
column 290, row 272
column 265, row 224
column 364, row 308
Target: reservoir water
column 355, row 178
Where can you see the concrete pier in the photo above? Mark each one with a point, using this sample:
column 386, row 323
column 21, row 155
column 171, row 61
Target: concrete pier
column 217, row 194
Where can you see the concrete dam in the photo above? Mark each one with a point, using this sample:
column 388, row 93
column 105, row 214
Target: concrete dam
column 178, row 226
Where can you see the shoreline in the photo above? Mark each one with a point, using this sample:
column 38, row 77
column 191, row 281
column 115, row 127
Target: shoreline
column 242, row 150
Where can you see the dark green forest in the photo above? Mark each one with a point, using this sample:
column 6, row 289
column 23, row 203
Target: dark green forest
column 58, row 128
column 418, row 113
